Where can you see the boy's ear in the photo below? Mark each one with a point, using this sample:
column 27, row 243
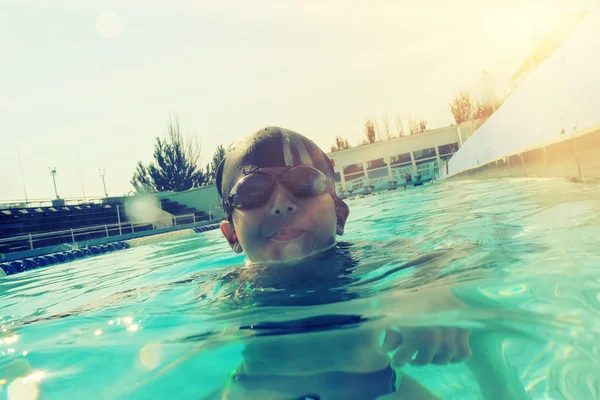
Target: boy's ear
column 228, row 231
column 341, row 212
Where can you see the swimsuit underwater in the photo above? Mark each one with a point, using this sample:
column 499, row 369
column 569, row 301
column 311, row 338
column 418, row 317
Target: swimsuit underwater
column 329, row 385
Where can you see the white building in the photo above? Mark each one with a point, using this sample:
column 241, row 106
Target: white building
column 383, row 165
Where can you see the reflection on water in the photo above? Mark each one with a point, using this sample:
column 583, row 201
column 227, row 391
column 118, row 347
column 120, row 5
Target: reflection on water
column 515, row 262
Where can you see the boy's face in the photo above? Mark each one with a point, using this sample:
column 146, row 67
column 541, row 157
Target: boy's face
column 286, row 227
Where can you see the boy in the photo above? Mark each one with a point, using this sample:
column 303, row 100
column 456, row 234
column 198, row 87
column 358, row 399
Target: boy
column 279, row 194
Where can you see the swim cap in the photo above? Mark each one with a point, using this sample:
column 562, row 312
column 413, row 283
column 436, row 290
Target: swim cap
column 271, row 147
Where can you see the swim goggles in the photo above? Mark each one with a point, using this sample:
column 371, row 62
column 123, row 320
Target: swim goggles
column 255, row 189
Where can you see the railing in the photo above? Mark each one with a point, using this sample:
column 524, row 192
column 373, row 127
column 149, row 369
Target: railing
column 31, row 203
column 72, row 235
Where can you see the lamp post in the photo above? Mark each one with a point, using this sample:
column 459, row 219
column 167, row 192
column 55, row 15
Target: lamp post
column 53, row 173
column 102, row 174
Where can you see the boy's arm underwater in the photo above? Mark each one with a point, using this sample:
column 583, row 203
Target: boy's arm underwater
column 425, row 292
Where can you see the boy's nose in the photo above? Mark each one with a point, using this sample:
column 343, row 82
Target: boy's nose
column 282, row 202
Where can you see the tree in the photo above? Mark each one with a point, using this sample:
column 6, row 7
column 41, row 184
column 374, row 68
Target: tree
column 175, row 165
column 484, row 110
column 211, row 169
column 412, row 125
column 421, row 126
column 340, row 144
column 399, row 125
column 141, row 181
column 370, row 131
column 377, row 130
column 462, row 107
column 386, row 127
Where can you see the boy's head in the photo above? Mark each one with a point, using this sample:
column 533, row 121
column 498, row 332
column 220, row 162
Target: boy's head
column 278, row 192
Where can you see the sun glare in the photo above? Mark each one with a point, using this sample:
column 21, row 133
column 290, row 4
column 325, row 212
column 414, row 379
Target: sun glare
column 109, row 25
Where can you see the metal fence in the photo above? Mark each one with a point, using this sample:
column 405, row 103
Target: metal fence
column 33, row 203
column 36, row 240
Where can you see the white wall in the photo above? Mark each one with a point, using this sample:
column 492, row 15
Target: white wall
column 562, row 93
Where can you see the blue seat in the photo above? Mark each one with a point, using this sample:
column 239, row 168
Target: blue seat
column 16, row 267
column 60, row 257
column 77, row 253
column 5, row 268
column 95, row 250
column 28, row 263
column 50, row 259
column 40, row 261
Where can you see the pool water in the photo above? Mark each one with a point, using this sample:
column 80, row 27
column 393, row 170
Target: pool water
column 162, row 320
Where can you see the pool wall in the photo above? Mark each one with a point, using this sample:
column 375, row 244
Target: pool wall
column 574, row 157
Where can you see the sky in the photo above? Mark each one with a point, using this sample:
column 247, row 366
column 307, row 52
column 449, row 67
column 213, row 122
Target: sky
column 89, row 85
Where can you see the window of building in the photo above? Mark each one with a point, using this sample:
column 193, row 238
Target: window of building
column 425, row 153
column 448, row 149
column 375, row 164
column 353, row 171
column 400, row 159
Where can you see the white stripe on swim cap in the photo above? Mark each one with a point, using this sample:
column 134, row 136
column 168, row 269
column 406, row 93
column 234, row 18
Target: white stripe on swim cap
column 304, row 156
column 287, row 153
column 300, row 148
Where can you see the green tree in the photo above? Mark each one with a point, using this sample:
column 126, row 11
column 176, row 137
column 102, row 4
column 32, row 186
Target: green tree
column 211, row 169
column 175, row 165
column 141, row 181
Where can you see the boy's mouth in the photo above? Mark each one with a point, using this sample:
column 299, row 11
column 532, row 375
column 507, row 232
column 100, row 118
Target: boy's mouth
column 286, row 234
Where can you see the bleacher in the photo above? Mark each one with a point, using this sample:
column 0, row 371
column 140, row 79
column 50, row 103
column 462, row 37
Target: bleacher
column 58, row 223
column 23, row 226
column 182, row 213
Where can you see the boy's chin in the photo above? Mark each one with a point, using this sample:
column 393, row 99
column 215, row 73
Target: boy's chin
column 297, row 250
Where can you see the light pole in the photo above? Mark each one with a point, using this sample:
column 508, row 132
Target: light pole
column 102, row 174
column 53, row 173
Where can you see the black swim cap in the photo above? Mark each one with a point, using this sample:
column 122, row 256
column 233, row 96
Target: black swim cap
column 270, row 147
